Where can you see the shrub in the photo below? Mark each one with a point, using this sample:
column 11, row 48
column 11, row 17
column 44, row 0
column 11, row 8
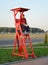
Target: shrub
column 45, row 39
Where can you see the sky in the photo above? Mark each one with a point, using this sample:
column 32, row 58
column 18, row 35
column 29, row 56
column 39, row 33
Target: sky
column 37, row 16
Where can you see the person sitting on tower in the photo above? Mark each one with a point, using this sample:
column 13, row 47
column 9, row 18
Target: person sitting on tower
column 23, row 23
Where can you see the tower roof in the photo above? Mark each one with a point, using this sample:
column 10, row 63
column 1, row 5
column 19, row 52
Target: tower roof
column 20, row 9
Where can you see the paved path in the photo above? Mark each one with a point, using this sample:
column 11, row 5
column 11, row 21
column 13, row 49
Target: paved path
column 37, row 61
column 6, row 47
column 41, row 61
column 4, row 42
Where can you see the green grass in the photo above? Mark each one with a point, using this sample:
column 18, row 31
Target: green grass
column 41, row 52
column 40, row 44
column 6, row 54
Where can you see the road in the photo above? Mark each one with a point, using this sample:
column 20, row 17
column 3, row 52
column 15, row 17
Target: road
column 37, row 61
column 4, row 42
column 41, row 61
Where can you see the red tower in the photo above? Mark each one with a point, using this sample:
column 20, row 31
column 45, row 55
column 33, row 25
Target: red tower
column 20, row 38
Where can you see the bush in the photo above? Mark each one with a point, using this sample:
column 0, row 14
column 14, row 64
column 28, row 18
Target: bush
column 45, row 40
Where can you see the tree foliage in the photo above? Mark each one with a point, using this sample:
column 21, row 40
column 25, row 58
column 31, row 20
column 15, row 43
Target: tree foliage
column 10, row 29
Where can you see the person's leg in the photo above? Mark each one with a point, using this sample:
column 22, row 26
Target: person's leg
column 27, row 29
column 23, row 28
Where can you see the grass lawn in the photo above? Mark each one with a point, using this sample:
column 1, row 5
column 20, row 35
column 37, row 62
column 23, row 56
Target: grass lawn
column 6, row 54
column 40, row 44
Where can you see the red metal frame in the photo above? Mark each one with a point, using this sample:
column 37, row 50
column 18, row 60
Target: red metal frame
column 20, row 39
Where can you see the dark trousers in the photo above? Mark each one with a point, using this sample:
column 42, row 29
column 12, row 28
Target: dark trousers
column 25, row 28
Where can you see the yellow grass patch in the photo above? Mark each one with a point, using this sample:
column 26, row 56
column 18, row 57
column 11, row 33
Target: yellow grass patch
column 7, row 36
column 12, row 35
